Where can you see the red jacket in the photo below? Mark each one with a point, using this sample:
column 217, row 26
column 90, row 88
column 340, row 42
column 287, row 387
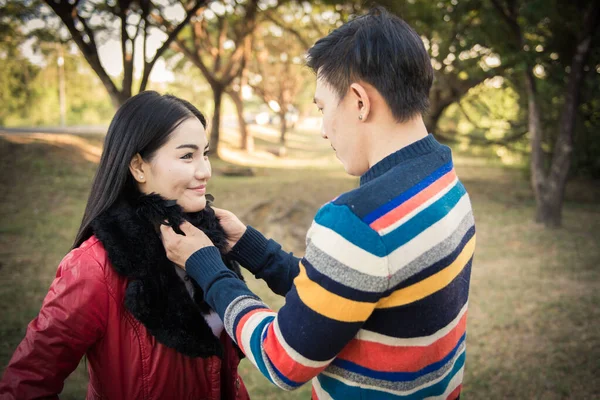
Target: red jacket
column 83, row 314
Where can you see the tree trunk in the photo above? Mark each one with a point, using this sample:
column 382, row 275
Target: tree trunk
column 550, row 189
column 548, row 193
column 447, row 89
column 62, row 91
column 283, row 127
column 216, row 120
column 246, row 138
column 433, row 117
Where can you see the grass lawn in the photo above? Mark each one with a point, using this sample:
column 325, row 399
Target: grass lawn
column 534, row 312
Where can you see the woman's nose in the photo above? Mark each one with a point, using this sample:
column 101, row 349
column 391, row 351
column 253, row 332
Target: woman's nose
column 204, row 170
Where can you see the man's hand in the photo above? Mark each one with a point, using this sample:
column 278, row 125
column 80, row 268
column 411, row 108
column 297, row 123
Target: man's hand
column 178, row 247
column 234, row 228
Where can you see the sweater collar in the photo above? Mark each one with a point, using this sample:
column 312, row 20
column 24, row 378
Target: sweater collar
column 413, row 150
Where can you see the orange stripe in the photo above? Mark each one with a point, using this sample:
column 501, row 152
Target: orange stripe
column 284, row 363
column 455, row 393
column 414, row 202
column 381, row 357
column 240, row 326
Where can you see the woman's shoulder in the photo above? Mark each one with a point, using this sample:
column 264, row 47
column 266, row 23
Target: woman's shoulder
column 90, row 259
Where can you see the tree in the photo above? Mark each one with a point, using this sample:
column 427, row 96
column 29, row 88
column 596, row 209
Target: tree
column 530, row 30
column 17, row 72
column 278, row 72
column 219, row 43
column 90, row 22
column 453, row 34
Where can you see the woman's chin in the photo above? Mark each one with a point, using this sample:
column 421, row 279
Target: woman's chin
column 194, row 206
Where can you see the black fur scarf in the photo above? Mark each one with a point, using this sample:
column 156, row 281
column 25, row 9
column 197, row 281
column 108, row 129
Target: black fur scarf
column 156, row 295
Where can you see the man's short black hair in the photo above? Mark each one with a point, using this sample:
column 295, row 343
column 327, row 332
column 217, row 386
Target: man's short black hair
column 381, row 49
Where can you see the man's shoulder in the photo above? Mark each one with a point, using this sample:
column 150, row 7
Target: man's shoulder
column 396, row 185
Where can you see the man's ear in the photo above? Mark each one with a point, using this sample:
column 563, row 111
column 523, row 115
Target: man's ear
column 360, row 100
column 136, row 167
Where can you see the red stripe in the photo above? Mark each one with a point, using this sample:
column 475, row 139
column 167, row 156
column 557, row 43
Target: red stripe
column 284, row 363
column 240, row 326
column 381, row 357
column 455, row 393
column 414, row 202
column 314, row 394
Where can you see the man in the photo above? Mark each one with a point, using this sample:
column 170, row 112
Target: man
column 377, row 307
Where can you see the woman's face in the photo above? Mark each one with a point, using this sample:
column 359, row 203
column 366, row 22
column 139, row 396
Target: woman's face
column 180, row 169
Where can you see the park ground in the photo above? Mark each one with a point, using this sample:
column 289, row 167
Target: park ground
column 534, row 308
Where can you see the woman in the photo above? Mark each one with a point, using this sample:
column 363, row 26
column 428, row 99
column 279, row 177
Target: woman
column 141, row 323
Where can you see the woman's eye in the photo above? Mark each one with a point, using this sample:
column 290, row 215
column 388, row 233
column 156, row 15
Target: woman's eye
column 188, row 156
column 321, row 110
column 206, row 153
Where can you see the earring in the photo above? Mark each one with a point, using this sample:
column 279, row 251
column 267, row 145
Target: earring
column 360, row 117
column 141, row 176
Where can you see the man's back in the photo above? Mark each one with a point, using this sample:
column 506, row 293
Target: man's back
column 404, row 240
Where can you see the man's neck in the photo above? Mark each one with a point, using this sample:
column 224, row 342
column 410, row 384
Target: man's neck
column 393, row 136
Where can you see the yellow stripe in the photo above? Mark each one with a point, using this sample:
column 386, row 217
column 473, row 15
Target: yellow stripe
column 330, row 304
column 432, row 284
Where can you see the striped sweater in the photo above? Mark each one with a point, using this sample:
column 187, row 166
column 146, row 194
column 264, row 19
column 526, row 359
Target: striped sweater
column 377, row 307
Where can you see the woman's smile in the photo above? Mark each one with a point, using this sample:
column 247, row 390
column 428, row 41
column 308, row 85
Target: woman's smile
column 200, row 189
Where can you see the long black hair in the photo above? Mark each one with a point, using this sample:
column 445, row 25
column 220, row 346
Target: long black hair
column 141, row 125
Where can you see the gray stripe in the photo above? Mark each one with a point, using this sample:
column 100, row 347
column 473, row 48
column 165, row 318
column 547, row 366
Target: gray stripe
column 435, row 254
column 397, row 386
column 235, row 307
column 341, row 273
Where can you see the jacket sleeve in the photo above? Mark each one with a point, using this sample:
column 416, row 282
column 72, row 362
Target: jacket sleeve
column 72, row 318
column 265, row 259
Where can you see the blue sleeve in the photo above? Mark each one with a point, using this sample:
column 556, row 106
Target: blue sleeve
column 266, row 260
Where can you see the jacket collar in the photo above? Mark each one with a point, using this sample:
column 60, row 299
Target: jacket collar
column 155, row 294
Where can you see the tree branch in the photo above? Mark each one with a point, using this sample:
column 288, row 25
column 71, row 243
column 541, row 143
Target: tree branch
column 196, row 60
column 301, row 39
column 126, row 56
column 68, row 15
column 171, row 37
column 510, row 20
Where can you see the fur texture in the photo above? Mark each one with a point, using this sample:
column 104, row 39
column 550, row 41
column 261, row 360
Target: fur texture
column 155, row 294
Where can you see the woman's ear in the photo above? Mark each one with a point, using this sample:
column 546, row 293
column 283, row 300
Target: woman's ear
column 136, row 167
column 361, row 98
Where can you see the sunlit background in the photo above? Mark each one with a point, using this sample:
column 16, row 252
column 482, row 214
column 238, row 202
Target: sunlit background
column 516, row 95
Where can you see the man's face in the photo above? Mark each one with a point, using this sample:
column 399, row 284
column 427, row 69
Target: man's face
column 342, row 128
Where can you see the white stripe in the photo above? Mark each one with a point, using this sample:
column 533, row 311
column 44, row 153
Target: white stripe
column 249, row 328
column 320, row 392
column 457, row 378
column 430, row 237
column 371, row 336
column 335, row 245
column 453, row 384
column 417, row 210
column 309, row 233
column 293, row 354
